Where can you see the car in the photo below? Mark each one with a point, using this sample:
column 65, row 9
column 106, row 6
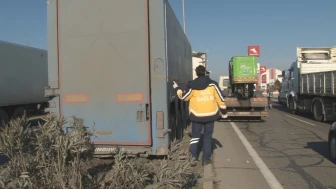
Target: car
column 332, row 142
column 282, row 97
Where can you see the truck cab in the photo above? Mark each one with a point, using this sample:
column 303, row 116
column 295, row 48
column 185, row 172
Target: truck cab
column 224, row 82
column 224, row 85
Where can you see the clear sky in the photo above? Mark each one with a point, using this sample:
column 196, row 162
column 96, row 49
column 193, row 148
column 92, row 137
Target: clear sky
column 225, row 28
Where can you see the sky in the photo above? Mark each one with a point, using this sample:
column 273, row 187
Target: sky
column 224, row 28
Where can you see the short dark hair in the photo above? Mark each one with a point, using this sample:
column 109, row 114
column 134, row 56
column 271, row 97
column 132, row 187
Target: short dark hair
column 200, row 70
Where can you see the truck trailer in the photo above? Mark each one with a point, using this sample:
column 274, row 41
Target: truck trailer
column 23, row 76
column 244, row 101
column 311, row 83
column 199, row 58
column 113, row 63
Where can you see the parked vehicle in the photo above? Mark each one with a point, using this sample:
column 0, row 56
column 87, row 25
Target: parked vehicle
column 282, row 97
column 113, row 64
column 311, row 83
column 22, row 80
column 243, row 102
column 224, row 82
column 332, row 142
column 224, row 85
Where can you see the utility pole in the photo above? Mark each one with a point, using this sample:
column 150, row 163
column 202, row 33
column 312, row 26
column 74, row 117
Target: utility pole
column 184, row 25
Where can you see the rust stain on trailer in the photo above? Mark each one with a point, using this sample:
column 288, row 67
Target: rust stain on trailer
column 76, row 98
column 130, row 97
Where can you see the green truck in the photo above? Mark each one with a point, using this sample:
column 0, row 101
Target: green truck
column 244, row 101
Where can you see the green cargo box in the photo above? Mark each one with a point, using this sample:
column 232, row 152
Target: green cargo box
column 243, row 69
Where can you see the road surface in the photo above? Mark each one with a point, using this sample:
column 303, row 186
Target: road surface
column 284, row 151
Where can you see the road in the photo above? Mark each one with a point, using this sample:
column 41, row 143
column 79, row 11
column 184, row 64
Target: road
column 283, row 151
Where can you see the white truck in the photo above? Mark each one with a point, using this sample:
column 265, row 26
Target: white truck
column 224, row 82
column 199, row 58
column 312, row 83
column 23, row 77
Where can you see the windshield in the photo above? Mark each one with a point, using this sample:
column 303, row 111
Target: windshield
column 226, row 82
column 315, row 56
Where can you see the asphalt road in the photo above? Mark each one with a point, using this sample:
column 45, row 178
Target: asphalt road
column 283, row 151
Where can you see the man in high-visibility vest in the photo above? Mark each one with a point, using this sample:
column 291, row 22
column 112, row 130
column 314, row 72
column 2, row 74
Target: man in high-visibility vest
column 207, row 104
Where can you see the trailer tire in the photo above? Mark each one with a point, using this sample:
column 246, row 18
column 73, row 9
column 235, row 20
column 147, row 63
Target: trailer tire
column 3, row 118
column 172, row 126
column 332, row 147
column 178, row 122
column 19, row 112
column 317, row 110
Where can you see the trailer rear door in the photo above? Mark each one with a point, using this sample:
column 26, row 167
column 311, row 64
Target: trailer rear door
column 104, row 68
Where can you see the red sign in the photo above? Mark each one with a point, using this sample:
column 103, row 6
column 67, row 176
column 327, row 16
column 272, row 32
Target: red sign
column 263, row 79
column 253, row 50
column 262, row 69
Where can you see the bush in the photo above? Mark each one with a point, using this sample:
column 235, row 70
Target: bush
column 46, row 157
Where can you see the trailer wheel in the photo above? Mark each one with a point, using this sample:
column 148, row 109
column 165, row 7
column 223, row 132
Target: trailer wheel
column 3, row 118
column 317, row 110
column 332, row 148
column 172, row 125
column 178, row 120
column 19, row 112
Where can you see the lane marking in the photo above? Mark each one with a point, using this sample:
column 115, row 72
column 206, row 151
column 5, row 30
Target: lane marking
column 268, row 175
column 301, row 120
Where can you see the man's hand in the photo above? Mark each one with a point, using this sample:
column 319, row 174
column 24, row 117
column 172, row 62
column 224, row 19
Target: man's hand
column 224, row 116
column 175, row 85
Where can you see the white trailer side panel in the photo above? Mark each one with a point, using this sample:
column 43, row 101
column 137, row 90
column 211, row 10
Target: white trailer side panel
column 319, row 84
column 23, row 74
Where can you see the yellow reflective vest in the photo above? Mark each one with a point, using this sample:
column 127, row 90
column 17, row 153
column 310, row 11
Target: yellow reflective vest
column 206, row 99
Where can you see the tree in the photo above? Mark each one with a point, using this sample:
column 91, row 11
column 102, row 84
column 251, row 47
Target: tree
column 277, row 84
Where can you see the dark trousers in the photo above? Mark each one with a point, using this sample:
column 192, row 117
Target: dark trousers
column 207, row 139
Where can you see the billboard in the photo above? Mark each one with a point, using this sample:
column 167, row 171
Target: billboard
column 263, row 79
column 253, row 50
column 262, row 69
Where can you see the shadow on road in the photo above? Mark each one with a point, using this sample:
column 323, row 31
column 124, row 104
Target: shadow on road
column 321, row 148
column 306, row 115
column 214, row 145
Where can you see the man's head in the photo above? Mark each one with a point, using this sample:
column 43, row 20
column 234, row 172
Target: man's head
column 200, row 71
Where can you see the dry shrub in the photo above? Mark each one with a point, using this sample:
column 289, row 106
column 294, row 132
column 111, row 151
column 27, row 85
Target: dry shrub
column 44, row 157
column 175, row 171
column 126, row 172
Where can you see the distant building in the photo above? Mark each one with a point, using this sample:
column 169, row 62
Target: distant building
column 269, row 77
